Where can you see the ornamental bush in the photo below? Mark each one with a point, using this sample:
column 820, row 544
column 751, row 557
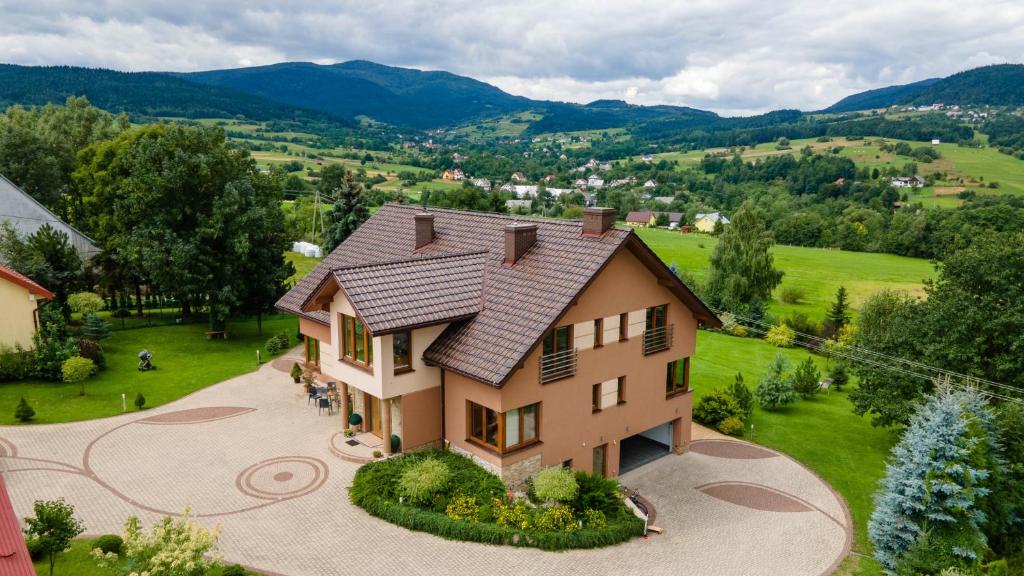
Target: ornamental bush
column 24, row 412
column 716, row 407
column 277, row 344
column 92, row 350
column 513, row 514
column 463, row 509
column 108, row 543
column 555, row 484
column 76, row 370
column 85, row 302
column 781, row 336
column 173, row 546
column 596, row 492
column 140, row 400
column 421, row 481
column 594, row 518
column 743, row 396
column 95, row 328
column 806, row 378
column 733, row 426
column 775, row 389
column 557, row 518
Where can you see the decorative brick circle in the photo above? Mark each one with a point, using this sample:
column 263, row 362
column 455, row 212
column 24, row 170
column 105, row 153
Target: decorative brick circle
column 731, row 449
column 755, row 496
column 196, row 415
column 7, row 448
column 282, row 478
column 284, row 363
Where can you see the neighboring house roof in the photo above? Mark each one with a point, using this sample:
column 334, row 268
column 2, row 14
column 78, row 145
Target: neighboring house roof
column 25, row 282
column 413, row 293
column 714, row 217
column 518, row 303
column 641, row 216
column 27, row 215
column 14, row 558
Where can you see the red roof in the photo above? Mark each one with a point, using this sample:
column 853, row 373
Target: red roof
column 14, row 559
column 25, row 282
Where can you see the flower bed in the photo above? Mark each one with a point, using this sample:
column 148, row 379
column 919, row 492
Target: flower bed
column 446, row 494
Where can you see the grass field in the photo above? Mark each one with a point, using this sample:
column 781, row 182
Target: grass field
column 817, row 271
column 185, row 359
column 79, row 562
column 303, row 266
column 823, row 433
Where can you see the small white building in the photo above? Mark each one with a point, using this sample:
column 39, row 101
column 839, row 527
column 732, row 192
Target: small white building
column 595, row 182
column 936, row 141
column 307, row 249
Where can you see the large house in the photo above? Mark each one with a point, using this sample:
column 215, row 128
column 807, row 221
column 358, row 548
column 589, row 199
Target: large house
column 706, row 222
column 510, row 340
column 19, row 302
column 649, row 218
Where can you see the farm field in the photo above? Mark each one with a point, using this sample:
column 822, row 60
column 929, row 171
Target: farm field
column 817, row 271
column 177, row 350
column 822, row 433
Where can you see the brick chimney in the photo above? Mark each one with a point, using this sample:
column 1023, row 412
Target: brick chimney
column 597, row 221
column 424, row 229
column 519, row 237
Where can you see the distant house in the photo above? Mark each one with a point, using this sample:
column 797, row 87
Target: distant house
column 706, row 222
column 26, row 215
column 524, row 190
column 663, row 199
column 592, row 163
column 579, row 183
column 482, row 183
column 908, row 182
column 549, row 178
column 595, row 182
column 641, row 218
column 514, row 205
column 623, row 182
column 19, row 300
column 456, row 157
column 604, row 166
column 518, row 177
column 590, row 200
column 647, row 158
column 556, row 192
column 454, row 174
column 650, row 184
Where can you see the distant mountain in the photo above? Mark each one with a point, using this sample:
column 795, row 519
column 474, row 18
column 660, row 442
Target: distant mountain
column 996, row 85
column 400, row 96
column 137, row 93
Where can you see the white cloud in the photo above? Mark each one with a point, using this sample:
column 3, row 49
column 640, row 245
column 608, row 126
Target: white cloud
column 732, row 56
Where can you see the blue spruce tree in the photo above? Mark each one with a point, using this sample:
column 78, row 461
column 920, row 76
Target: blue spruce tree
column 929, row 508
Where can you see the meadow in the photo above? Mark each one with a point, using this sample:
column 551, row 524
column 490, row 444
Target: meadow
column 818, row 272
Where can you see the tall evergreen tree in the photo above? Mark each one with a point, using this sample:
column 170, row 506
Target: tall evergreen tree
column 930, row 507
column 349, row 211
column 742, row 265
column 838, row 315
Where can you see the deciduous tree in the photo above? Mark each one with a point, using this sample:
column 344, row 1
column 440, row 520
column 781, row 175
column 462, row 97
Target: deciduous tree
column 742, row 266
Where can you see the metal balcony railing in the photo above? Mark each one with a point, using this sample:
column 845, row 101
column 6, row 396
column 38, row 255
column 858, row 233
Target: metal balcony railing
column 658, row 339
column 558, row 365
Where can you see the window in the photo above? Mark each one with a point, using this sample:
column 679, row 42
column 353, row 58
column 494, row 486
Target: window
column 623, row 326
column 503, row 432
column 598, row 332
column 595, row 398
column 656, row 316
column 402, row 346
column 558, row 340
column 558, row 358
column 356, row 341
column 678, row 377
column 620, row 397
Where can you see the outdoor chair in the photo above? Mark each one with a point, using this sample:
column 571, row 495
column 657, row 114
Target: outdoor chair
column 314, row 393
column 323, row 403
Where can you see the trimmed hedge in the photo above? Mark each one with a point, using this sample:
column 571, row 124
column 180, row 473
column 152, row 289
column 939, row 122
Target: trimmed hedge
column 375, row 489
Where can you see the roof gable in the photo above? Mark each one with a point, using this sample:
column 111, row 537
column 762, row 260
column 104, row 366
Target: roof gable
column 15, row 277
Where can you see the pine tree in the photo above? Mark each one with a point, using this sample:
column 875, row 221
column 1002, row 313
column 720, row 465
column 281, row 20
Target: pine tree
column 839, row 314
column 936, row 483
column 24, row 412
column 95, row 328
column 140, row 400
column 744, row 397
column 775, row 389
column 806, row 378
column 349, row 211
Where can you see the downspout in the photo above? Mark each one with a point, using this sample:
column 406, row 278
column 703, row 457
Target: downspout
column 443, row 441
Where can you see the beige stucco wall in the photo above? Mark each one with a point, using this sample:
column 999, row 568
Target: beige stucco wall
column 568, row 427
column 705, row 225
column 17, row 315
column 421, row 419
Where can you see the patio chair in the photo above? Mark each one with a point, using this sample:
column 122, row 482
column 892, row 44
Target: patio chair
column 322, row 403
column 314, row 393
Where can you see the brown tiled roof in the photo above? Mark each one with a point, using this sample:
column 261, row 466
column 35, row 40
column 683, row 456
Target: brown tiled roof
column 518, row 303
column 413, row 293
column 639, row 216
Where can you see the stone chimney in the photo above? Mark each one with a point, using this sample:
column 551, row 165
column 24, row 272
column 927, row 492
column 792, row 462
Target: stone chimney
column 424, row 229
column 519, row 237
column 597, row 221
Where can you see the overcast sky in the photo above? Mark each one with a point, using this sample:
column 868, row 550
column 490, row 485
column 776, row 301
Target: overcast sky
column 731, row 56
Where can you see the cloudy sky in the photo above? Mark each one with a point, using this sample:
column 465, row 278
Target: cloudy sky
column 731, row 56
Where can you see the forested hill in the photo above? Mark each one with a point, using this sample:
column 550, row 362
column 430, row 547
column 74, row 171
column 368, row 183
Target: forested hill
column 138, row 93
column 997, row 85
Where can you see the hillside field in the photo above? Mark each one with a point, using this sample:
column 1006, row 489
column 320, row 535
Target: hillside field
column 817, row 271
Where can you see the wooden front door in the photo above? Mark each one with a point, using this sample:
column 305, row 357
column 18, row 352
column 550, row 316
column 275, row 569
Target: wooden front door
column 372, row 414
column 600, row 458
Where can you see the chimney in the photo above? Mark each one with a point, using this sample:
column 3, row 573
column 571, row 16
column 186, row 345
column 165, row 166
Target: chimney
column 424, row 229
column 597, row 221
column 519, row 237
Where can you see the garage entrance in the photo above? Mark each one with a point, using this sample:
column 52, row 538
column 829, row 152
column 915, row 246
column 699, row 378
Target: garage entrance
column 645, row 447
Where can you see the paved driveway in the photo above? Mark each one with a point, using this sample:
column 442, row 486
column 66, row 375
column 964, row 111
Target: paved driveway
column 250, row 455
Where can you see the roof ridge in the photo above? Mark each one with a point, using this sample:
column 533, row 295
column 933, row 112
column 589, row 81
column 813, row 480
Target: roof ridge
column 410, row 260
column 496, row 215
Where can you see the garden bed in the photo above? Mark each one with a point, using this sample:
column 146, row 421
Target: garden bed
column 452, row 497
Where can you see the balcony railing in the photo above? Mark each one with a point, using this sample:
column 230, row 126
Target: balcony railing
column 658, row 339
column 558, row 365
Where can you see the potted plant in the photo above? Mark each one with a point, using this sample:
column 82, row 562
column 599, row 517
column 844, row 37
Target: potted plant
column 355, row 421
column 308, row 379
column 296, row 372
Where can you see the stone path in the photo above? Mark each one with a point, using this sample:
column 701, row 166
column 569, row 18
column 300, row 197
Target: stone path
column 250, row 455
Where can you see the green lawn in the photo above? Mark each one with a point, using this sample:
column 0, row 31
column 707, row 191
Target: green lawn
column 817, row 271
column 79, row 562
column 823, row 433
column 303, row 265
column 185, row 359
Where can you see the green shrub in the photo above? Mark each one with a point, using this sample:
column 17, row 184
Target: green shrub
column 715, row 407
column 76, row 370
column 378, row 454
column 806, row 378
column 792, row 294
column 555, row 518
column 743, row 396
column 85, row 302
column 840, row 377
column 781, row 336
column 594, row 518
column 463, row 509
column 421, row 481
column 355, row 419
column 24, row 412
column 555, row 484
column 92, row 350
column 296, row 372
column 108, row 544
column 596, row 493
column 36, row 551
column 95, row 328
column 775, row 389
column 511, row 515
column 140, row 400
column 733, row 426
column 234, row 570
column 396, row 443
column 16, row 363
column 277, row 344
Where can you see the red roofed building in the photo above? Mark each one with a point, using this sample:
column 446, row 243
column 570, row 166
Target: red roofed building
column 14, row 558
column 19, row 317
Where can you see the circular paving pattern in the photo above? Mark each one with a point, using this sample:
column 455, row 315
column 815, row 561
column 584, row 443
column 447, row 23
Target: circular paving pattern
column 7, row 448
column 196, row 415
column 284, row 477
column 284, row 363
column 754, row 496
column 731, row 449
